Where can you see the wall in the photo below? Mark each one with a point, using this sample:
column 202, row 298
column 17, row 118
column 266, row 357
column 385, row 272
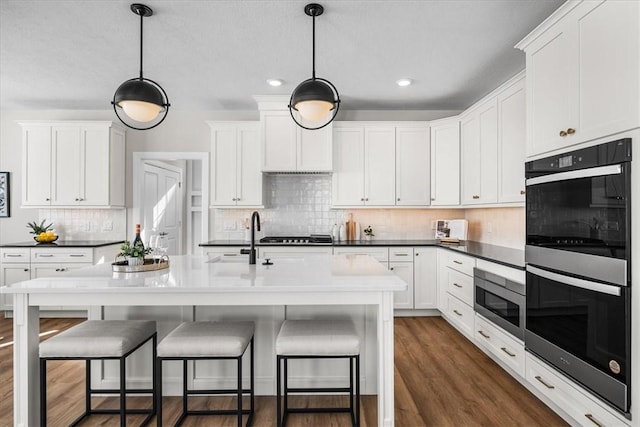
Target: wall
column 497, row 226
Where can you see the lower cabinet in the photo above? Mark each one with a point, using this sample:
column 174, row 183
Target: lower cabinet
column 567, row 396
column 401, row 263
column 508, row 350
column 455, row 280
column 425, row 278
column 20, row 264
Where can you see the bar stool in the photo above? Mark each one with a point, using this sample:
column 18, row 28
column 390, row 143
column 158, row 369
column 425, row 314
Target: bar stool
column 318, row 339
column 100, row 340
column 208, row 341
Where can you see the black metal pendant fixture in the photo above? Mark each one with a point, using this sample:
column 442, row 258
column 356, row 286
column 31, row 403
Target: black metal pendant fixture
column 142, row 100
column 315, row 99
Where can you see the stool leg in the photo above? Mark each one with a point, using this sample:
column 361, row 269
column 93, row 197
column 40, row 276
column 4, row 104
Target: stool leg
column 351, row 400
column 154, row 369
column 159, row 394
column 358, row 390
column 252, row 384
column 123, row 393
column 278, row 389
column 286, row 391
column 43, row 392
column 87, row 386
column 239, row 392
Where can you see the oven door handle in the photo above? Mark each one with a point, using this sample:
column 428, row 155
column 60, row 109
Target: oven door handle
column 582, row 173
column 573, row 281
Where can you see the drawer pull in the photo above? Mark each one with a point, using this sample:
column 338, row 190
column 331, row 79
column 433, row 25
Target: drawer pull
column 563, row 133
column 522, row 192
column 593, row 420
column 539, row 378
column 14, row 255
column 76, row 255
column 46, row 255
column 507, row 351
column 457, row 262
column 457, row 312
column 457, row 286
column 26, row 269
column 476, row 197
column 401, row 254
column 571, row 131
column 484, row 335
column 391, row 268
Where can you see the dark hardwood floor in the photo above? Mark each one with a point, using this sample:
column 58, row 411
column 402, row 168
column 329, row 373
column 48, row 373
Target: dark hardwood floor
column 441, row 379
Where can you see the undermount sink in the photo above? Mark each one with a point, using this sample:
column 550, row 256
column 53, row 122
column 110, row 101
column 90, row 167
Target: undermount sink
column 229, row 259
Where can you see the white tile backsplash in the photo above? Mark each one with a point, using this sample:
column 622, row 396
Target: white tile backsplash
column 87, row 224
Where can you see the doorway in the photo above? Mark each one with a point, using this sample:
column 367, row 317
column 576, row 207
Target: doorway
column 170, row 189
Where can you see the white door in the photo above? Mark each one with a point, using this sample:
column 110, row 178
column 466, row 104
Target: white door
column 412, row 166
column 65, row 152
column 348, row 167
column 36, row 165
column 512, row 140
column 248, row 175
column 470, row 159
column 425, row 267
column 223, row 158
column 404, row 270
column 161, row 210
column 379, row 166
column 94, row 166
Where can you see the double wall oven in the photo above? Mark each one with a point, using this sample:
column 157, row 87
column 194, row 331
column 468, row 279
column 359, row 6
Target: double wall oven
column 578, row 221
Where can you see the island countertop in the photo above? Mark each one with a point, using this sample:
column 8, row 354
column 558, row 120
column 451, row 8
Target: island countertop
column 63, row 244
column 197, row 274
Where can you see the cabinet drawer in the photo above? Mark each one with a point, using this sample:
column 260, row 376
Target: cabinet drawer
column 70, row 255
column 462, row 263
column 381, row 254
column 499, row 343
column 460, row 315
column 582, row 407
column 401, row 254
column 14, row 255
column 460, row 285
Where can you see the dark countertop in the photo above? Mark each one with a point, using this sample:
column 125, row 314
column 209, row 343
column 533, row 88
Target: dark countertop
column 499, row 254
column 63, row 244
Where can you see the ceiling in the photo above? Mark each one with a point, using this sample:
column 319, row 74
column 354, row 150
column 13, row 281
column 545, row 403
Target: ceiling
column 215, row 55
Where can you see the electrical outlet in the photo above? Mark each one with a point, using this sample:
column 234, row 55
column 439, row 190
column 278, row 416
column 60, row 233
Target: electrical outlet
column 107, row 225
column 229, row 226
column 433, row 225
column 83, row 226
column 489, row 227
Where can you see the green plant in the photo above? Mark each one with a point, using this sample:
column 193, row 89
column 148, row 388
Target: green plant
column 38, row 228
column 368, row 231
column 134, row 251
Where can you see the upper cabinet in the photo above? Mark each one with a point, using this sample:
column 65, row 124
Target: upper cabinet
column 286, row 147
column 412, row 165
column 73, row 164
column 380, row 164
column 445, row 162
column 236, row 179
column 511, row 141
column 479, row 161
column 583, row 74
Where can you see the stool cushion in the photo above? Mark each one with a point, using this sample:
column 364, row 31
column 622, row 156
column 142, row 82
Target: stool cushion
column 207, row 339
column 318, row 338
column 99, row 338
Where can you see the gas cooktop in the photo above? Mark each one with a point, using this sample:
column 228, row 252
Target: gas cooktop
column 314, row 239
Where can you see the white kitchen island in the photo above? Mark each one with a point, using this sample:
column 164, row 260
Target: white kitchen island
column 344, row 280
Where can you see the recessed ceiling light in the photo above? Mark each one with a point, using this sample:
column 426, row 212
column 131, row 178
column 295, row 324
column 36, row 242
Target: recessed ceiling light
column 274, row 82
column 403, row 82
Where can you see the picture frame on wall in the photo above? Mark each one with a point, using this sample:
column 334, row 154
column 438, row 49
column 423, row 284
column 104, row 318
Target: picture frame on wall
column 4, row 195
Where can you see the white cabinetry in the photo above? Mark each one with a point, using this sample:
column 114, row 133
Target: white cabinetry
column 236, row 179
column 508, row 350
column 274, row 252
column 425, row 278
column 455, row 277
column 364, row 165
column 568, row 396
column 511, row 141
column 286, row 147
column 19, row 264
column 412, row 171
column 401, row 263
column 445, row 162
column 583, row 74
column 479, row 142
column 72, row 164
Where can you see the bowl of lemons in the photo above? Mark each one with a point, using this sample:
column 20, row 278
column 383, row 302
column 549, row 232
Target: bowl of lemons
column 42, row 233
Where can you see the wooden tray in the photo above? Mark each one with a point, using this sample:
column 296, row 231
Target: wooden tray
column 149, row 265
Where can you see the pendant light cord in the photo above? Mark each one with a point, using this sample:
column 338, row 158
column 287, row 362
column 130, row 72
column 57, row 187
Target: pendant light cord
column 141, row 20
column 313, row 49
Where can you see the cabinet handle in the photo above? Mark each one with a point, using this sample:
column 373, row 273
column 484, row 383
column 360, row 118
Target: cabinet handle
column 457, row 286
column 539, row 378
column 26, row 269
column 398, row 198
column 366, row 199
column 45, row 255
column 484, row 335
column 593, row 420
column 47, row 199
column 457, row 262
column 14, row 255
column 476, row 197
column 57, row 269
column 77, row 200
column 457, row 312
column 76, row 255
column 571, row 131
column 63, row 269
column 391, row 268
column 522, row 192
column 507, row 351
column 362, row 199
column 81, row 199
column 563, row 133
column 417, row 253
column 433, row 199
column 400, row 254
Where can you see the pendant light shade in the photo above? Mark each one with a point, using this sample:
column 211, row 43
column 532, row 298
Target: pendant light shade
column 141, row 100
column 316, row 100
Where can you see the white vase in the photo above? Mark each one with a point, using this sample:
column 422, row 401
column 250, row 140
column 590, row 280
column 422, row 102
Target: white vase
column 134, row 261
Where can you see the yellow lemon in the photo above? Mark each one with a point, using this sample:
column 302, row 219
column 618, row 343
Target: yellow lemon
column 50, row 233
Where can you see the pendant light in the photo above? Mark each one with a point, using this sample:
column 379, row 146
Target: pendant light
column 140, row 99
column 315, row 99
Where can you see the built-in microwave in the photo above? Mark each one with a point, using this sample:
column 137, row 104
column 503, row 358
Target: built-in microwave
column 500, row 301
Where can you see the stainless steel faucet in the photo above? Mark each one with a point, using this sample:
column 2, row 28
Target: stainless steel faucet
column 255, row 223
